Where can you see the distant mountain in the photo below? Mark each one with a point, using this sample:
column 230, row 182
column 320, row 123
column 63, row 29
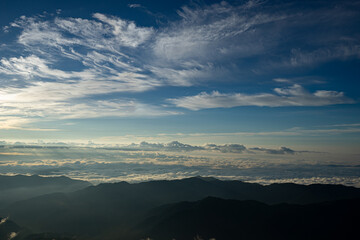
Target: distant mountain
column 214, row 218
column 21, row 187
column 109, row 210
column 9, row 230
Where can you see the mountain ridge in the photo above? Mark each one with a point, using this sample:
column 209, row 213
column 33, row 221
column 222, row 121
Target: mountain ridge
column 98, row 210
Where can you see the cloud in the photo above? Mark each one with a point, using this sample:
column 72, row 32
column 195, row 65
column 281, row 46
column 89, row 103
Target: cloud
column 302, row 58
column 248, row 36
column 171, row 146
column 12, row 122
column 205, row 28
column 55, row 100
column 135, row 5
column 308, row 80
column 226, row 148
column 208, row 41
column 77, row 68
column 14, row 154
column 282, row 150
column 295, row 95
column 42, row 90
column 19, row 123
column 176, row 146
column 125, row 33
column 347, row 181
column 104, row 163
column 108, row 33
column 347, row 125
column 12, row 235
column 3, row 220
column 144, row 166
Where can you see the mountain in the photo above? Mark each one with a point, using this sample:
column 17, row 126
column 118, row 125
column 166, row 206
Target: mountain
column 20, row 187
column 9, row 230
column 214, row 218
column 113, row 209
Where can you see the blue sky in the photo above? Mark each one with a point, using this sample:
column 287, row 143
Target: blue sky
column 257, row 73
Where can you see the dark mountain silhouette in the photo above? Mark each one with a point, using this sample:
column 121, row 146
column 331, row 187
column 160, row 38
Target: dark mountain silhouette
column 109, row 210
column 233, row 219
column 9, row 230
column 20, row 187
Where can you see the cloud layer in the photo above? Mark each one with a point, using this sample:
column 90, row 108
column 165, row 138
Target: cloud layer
column 115, row 164
column 174, row 146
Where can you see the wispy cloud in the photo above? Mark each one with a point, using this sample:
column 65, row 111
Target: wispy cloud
column 134, row 5
column 227, row 35
column 305, row 58
column 43, row 90
column 81, row 68
column 205, row 28
column 295, row 95
column 14, row 154
column 19, row 123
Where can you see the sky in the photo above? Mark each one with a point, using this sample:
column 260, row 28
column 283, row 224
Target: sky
column 258, row 82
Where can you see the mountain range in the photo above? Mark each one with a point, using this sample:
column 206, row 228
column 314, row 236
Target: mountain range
column 183, row 209
column 21, row 187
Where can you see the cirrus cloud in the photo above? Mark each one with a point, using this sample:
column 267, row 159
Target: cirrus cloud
column 295, row 95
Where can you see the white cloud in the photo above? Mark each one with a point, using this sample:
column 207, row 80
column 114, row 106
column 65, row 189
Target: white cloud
column 207, row 41
column 135, row 5
column 113, row 55
column 12, row 122
column 47, row 91
column 176, row 146
column 347, row 181
column 33, row 66
column 126, row 33
column 109, row 33
column 12, row 235
column 295, row 95
column 186, row 74
column 340, row 51
column 3, row 220
column 19, row 123
column 70, row 99
column 233, row 33
column 204, row 31
column 69, row 110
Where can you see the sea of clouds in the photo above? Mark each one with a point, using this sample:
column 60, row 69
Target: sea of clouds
column 174, row 160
